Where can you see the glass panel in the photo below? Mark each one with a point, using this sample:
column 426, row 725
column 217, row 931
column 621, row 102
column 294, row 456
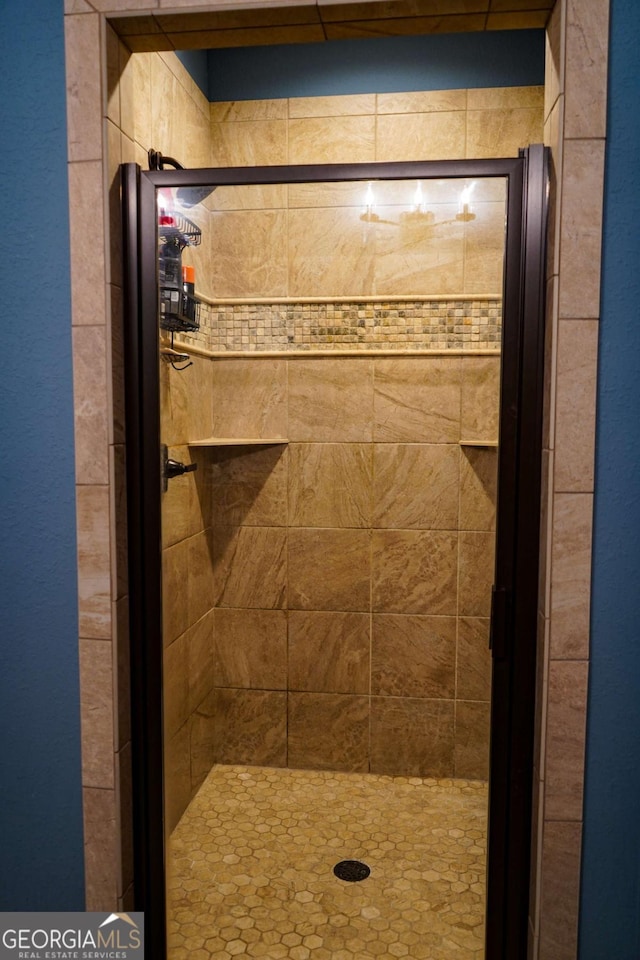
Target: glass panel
column 330, row 365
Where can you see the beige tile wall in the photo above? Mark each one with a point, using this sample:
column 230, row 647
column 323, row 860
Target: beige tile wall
column 113, row 116
column 575, row 114
column 575, row 108
column 351, row 619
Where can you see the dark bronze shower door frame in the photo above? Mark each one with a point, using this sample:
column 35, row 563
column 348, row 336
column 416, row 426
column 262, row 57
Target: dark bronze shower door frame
column 514, row 623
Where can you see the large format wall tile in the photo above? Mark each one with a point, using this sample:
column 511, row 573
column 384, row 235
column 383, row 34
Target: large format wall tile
column 199, row 643
column 250, row 649
column 250, row 567
column 472, row 740
column 329, row 652
column 473, row 661
column 249, row 486
column 328, row 732
column 330, row 253
column 412, row 738
column 330, row 400
column 339, row 139
column 571, row 575
column 251, row 726
column 249, row 398
column 251, row 143
column 560, row 890
column 475, row 573
column 417, row 400
column 186, row 500
column 177, row 776
column 421, row 136
column 239, row 267
column 565, row 743
column 175, row 686
column 478, row 488
column 96, row 684
column 502, row 132
column 330, row 484
column 414, row 571
column 329, row 569
column 413, row 656
column 416, row 485
column 94, row 572
column 480, row 403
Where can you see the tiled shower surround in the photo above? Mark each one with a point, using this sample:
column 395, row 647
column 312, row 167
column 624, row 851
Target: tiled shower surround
column 327, row 600
column 394, row 324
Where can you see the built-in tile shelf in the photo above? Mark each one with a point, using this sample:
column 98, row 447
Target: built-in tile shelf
column 238, row 442
column 478, row 443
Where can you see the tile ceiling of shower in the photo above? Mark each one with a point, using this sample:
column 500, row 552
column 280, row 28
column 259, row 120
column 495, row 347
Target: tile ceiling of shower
column 251, row 25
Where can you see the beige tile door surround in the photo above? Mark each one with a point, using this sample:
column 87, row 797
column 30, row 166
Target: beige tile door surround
column 101, row 133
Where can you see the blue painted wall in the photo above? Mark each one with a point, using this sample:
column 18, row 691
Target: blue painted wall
column 610, row 908
column 40, row 796
column 379, row 65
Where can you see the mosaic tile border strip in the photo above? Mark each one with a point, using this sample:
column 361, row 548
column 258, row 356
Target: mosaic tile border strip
column 447, row 324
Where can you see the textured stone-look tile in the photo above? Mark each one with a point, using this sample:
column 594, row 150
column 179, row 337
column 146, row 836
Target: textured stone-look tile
column 84, row 92
column 184, row 503
column 484, row 246
column 422, row 101
column 336, row 139
column 96, row 690
column 253, row 196
column 175, row 686
column 420, row 136
column 581, row 228
column 251, row 726
column 249, row 486
column 525, row 20
column 566, row 722
column 571, row 575
column 329, row 652
column 86, row 225
column 417, row 401
column 472, row 740
column 330, row 400
column 475, row 573
column 118, row 521
column 414, row 571
column 239, row 267
column 249, row 398
column 100, row 848
column 329, row 569
column 113, row 74
column 177, row 776
column 199, row 643
column 203, row 739
column 250, row 567
column 413, row 656
column 500, row 98
column 586, row 70
column 200, row 576
column 226, row 111
column 473, row 661
column 420, row 258
column 328, row 731
column 330, row 484
column 478, row 488
column 91, row 404
column 175, row 603
column 416, row 485
column 560, row 890
column 185, row 402
column 115, row 347
column 94, row 573
column 480, row 403
column 250, row 649
column 576, row 405
column 329, row 254
column 554, row 74
column 502, row 132
column 335, row 106
column 252, row 143
column 413, row 738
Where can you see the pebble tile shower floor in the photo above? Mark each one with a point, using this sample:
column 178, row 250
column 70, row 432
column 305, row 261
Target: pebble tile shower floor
column 251, row 867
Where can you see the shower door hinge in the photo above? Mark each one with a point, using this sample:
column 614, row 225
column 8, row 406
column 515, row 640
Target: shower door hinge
column 500, row 604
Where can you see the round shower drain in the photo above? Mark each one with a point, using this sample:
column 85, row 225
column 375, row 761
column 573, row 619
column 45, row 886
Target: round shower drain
column 351, row 870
